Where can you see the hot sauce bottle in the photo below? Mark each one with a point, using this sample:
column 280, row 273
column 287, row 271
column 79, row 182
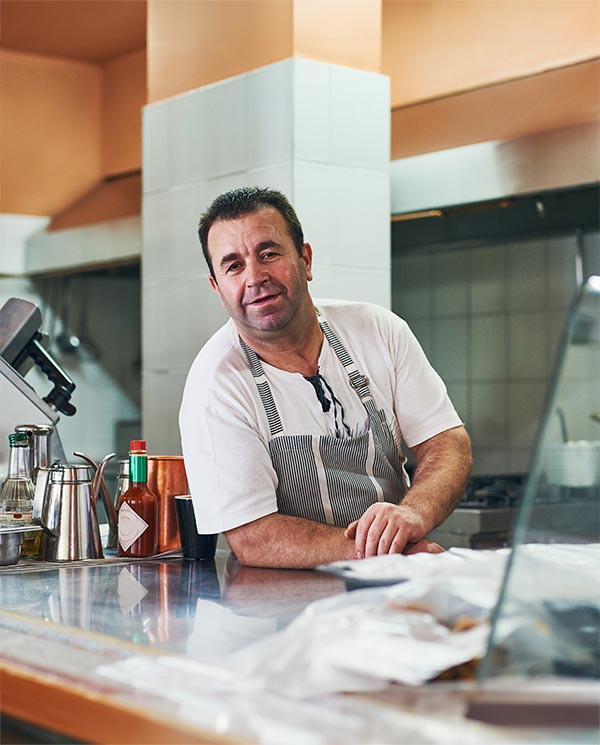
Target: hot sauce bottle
column 138, row 508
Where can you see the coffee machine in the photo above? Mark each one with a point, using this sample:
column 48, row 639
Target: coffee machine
column 23, row 345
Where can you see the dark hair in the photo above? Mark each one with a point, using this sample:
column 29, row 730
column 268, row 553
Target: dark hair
column 248, row 199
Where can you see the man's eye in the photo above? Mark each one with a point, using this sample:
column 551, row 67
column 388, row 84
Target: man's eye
column 233, row 267
column 269, row 254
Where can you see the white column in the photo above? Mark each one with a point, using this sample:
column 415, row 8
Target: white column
column 318, row 132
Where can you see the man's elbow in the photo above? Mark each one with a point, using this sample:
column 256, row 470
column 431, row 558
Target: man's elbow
column 243, row 545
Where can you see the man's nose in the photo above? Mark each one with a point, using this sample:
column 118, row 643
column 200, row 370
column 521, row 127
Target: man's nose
column 256, row 273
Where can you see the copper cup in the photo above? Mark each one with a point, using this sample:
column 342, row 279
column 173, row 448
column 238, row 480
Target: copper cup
column 166, row 478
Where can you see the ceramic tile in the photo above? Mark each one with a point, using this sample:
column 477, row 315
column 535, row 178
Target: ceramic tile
column 156, row 166
column 525, row 407
column 581, row 363
column 450, row 282
column 591, row 250
column 312, row 203
column 156, row 331
column 527, row 348
column 519, row 461
column 278, row 177
column 194, row 300
column 579, row 401
column 412, row 282
column 450, row 343
column 555, row 322
column 188, row 137
column 488, row 414
column 358, row 213
column 177, row 383
column 158, row 419
column 488, row 348
column 488, row 279
column 161, row 396
column 185, row 253
column 344, row 214
column 312, row 111
column 221, row 184
column 489, row 462
column 225, row 126
column 367, row 285
column 156, row 234
column 360, row 118
column 422, row 328
column 459, row 395
column 561, row 262
column 269, row 115
column 527, row 275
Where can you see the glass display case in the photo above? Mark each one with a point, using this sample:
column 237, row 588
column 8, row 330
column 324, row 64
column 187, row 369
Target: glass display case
column 547, row 620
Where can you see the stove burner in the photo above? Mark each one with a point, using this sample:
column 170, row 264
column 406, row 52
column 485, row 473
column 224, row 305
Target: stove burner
column 493, row 491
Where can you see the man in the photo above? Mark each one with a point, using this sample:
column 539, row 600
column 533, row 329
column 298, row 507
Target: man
column 294, row 413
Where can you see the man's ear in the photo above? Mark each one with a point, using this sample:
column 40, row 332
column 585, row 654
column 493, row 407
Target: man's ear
column 213, row 283
column 306, row 257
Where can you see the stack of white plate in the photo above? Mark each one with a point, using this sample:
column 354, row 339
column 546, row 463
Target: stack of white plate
column 573, row 463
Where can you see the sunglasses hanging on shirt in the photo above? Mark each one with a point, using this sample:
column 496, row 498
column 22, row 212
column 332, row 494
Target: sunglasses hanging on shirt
column 318, row 381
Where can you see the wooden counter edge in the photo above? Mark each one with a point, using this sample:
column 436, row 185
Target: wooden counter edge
column 91, row 717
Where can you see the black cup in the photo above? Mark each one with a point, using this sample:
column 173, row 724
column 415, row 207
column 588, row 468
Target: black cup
column 194, row 545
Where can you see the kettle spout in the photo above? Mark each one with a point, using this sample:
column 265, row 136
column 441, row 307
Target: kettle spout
column 99, row 488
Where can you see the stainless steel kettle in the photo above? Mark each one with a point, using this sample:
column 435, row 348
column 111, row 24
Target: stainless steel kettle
column 65, row 506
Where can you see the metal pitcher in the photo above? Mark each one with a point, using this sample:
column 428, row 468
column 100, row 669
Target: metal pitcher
column 65, row 506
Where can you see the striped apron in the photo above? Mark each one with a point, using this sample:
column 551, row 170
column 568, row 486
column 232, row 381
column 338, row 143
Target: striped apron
column 326, row 478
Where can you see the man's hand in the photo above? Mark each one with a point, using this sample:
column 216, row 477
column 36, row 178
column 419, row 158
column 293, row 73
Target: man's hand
column 423, row 547
column 443, row 466
column 387, row 528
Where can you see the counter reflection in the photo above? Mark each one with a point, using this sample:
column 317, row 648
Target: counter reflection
column 206, row 609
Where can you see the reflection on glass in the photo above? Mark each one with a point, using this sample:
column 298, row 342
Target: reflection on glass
column 547, row 618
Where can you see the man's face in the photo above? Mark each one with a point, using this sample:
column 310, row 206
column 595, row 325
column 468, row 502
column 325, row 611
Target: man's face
column 259, row 276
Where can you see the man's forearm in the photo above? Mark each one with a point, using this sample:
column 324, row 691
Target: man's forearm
column 443, row 466
column 289, row 542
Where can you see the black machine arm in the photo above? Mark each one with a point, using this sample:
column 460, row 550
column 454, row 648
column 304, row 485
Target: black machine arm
column 21, row 345
column 63, row 385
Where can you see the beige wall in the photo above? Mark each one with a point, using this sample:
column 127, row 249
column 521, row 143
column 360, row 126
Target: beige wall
column 124, row 95
column 438, row 47
column 65, row 125
column 344, row 32
column 50, row 127
column 191, row 44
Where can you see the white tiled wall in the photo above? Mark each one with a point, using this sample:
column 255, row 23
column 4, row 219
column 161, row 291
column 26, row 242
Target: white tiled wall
column 317, row 132
column 489, row 319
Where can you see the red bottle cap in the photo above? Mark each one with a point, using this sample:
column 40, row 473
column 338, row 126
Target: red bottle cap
column 135, row 445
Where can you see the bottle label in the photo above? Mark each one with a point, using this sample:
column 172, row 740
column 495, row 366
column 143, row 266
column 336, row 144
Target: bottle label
column 131, row 526
column 16, row 518
column 138, row 469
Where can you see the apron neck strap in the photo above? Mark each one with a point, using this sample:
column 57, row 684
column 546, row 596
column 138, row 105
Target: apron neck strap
column 359, row 382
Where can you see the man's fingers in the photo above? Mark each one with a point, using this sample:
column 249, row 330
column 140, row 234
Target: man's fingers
column 363, row 529
column 423, row 546
column 386, row 541
column 350, row 531
column 376, row 530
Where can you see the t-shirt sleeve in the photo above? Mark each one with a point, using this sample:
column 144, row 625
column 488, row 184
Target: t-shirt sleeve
column 229, row 469
column 423, row 407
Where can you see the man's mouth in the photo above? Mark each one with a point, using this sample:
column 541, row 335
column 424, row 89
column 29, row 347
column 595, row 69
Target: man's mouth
column 263, row 299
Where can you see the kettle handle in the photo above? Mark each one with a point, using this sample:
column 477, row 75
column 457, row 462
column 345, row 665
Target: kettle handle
column 42, row 513
column 39, row 494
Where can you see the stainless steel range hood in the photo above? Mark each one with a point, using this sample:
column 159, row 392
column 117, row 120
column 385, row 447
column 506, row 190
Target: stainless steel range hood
column 488, row 171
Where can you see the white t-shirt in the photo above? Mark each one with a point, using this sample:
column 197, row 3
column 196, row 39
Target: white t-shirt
column 224, row 428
